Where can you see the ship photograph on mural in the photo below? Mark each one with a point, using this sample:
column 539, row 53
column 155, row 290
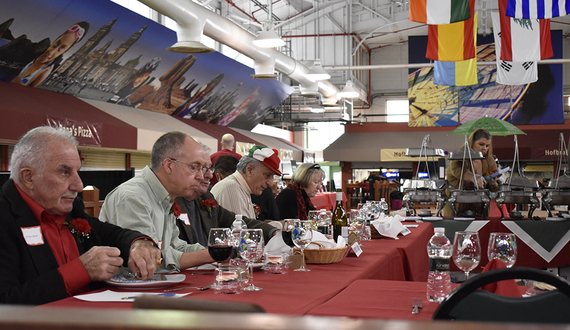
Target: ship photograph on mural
column 114, row 55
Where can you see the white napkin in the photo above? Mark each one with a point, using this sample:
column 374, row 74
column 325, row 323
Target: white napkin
column 319, row 237
column 388, row 226
column 276, row 245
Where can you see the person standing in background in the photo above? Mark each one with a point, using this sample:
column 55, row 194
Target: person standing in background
column 228, row 144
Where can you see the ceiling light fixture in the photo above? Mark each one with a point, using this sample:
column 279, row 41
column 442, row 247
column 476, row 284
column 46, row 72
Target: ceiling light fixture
column 317, row 72
column 349, row 92
column 268, row 39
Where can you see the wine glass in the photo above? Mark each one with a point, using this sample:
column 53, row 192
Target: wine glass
column 220, row 244
column 302, row 236
column 288, row 225
column 466, row 251
column 251, row 249
column 503, row 246
column 313, row 215
column 357, row 224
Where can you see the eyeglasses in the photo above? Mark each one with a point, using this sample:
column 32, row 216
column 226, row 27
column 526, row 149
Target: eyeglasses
column 195, row 167
column 316, row 166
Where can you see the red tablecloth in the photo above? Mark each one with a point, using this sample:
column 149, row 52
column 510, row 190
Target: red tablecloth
column 296, row 293
column 378, row 299
column 326, row 200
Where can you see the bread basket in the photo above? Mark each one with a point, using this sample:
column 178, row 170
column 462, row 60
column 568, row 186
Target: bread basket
column 322, row 255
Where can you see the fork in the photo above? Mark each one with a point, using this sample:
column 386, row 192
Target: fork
column 416, row 305
column 191, row 287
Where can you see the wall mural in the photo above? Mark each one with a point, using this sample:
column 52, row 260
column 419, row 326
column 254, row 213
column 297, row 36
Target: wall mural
column 530, row 104
column 99, row 50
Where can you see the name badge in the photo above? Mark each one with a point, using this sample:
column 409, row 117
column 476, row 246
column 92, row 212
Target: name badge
column 184, row 217
column 33, row 235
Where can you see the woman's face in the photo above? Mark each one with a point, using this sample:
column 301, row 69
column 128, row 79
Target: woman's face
column 58, row 47
column 314, row 185
column 482, row 145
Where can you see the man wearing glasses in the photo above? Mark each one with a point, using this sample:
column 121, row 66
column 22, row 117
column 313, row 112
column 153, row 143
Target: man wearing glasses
column 146, row 202
column 254, row 173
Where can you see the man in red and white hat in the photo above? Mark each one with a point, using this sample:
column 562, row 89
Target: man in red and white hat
column 254, row 173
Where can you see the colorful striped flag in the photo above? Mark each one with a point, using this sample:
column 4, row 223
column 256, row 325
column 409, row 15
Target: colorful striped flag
column 460, row 73
column 524, row 40
column 439, row 11
column 511, row 73
column 539, row 9
column 452, row 42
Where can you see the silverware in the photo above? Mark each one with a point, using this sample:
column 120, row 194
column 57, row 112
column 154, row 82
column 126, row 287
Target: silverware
column 191, row 287
column 416, row 305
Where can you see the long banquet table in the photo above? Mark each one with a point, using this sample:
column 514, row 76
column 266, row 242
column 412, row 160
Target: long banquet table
column 295, row 293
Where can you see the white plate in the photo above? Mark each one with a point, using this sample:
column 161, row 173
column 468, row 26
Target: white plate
column 157, row 281
column 413, row 218
column 464, row 219
column 555, row 219
column 432, row 218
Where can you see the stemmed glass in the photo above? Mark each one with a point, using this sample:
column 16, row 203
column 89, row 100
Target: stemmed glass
column 220, row 244
column 251, row 248
column 466, row 251
column 302, row 236
column 313, row 215
column 503, row 246
column 357, row 224
column 288, row 225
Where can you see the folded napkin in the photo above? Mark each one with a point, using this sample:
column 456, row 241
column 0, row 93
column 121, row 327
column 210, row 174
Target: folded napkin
column 508, row 288
column 388, row 226
column 276, row 245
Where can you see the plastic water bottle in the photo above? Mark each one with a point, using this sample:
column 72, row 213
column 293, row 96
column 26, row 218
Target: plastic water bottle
column 383, row 206
column 439, row 251
column 237, row 227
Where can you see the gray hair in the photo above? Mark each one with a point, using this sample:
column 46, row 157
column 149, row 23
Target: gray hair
column 31, row 150
column 207, row 150
column 244, row 161
column 304, row 174
column 168, row 145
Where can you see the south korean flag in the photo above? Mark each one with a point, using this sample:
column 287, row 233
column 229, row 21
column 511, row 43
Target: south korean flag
column 511, row 73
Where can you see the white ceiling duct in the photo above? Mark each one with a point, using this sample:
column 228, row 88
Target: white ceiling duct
column 190, row 14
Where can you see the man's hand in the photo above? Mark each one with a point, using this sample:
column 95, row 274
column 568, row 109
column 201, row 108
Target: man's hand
column 143, row 258
column 101, row 262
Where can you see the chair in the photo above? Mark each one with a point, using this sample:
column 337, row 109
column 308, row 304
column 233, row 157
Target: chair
column 192, row 304
column 467, row 303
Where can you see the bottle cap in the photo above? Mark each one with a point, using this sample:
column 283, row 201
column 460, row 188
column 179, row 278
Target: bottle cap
column 439, row 230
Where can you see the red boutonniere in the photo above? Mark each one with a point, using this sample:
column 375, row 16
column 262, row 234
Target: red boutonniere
column 80, row 228
column 175, row 209
column 208, row 205
column 257, row 210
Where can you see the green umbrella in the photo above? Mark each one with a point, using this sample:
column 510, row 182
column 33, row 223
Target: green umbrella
column 493, row 125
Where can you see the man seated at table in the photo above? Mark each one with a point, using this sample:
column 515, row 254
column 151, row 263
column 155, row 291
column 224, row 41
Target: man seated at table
column 50, row 248
column 254, row 173
column 146, row 202
column 266, row 206
column 200, row 212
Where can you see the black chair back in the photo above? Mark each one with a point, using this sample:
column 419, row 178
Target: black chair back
column 468, row 303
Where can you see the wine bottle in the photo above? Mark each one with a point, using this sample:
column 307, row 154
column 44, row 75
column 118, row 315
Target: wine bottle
column 339, row 220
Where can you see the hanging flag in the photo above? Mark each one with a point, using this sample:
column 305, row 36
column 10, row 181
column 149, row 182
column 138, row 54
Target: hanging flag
column 452, row 42
column 539, row 9
column 459, row 73
column 511, row 73
column 523, row 40
column 439, row 11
